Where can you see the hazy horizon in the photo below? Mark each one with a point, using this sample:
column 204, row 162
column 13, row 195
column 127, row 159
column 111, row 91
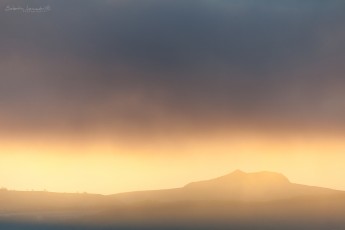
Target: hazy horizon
column 238, row 200
column 4, row 188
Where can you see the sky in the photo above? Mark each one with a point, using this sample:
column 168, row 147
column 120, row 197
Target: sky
column 117, row 95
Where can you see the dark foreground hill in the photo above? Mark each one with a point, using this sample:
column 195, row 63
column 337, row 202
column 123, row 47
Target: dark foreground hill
column 236, row 201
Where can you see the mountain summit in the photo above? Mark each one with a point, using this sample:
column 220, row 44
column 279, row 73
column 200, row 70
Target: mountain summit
column 236, row 186
column 240, row 178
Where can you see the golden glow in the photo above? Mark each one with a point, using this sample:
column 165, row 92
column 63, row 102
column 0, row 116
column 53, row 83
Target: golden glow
column 106, row 167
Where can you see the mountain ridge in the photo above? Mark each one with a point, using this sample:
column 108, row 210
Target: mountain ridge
column 235, row 186
column 261, row 200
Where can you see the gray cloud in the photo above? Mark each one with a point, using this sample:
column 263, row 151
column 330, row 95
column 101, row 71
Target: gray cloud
column 148, row 65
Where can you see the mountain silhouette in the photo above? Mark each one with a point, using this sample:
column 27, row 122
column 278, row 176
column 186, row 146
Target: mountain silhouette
column 236, row 186
column 239, row 200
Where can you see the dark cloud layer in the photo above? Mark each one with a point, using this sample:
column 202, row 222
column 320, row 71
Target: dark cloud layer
column 148, row 65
